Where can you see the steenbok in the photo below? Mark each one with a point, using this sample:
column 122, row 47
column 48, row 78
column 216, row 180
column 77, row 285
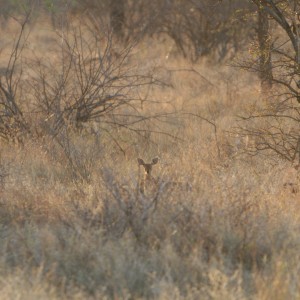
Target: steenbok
column 148, row 183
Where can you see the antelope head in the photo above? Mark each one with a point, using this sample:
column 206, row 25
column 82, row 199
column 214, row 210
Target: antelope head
column 147, row 168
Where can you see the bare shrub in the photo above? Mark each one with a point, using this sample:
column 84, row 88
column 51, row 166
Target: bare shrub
column 13, row 124
column 198, row 28
column 91, row 89
column 91, row 83
column 274, row 122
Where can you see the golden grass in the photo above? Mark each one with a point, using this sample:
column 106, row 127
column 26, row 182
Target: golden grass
column 234, row 236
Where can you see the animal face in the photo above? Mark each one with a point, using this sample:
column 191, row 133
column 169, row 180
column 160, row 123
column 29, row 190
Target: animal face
column 148, row 167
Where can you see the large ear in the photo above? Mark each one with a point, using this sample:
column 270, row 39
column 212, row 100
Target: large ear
column 140, row 161
column 155, row 161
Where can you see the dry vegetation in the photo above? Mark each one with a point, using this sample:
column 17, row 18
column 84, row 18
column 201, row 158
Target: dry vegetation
column 72, row 222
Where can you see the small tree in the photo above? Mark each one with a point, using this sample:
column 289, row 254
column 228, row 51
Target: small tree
column 274, row 125
column 287, row 53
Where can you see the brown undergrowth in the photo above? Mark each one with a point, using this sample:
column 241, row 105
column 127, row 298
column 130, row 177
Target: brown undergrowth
column 92, row 235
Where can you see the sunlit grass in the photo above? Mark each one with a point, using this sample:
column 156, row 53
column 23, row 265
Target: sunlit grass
column 83, row 231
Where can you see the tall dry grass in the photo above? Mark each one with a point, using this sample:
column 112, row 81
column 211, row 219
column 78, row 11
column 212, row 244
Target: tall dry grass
column 235, row 235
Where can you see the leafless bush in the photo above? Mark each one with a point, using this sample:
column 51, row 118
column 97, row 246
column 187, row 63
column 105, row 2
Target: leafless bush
column 91, row 82
column 92, row 86
column 197, row 27
column 273, row 130
column 274, row 123
column 12, row 120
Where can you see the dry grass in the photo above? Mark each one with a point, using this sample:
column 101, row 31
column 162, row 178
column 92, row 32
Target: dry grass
column 234, row 236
